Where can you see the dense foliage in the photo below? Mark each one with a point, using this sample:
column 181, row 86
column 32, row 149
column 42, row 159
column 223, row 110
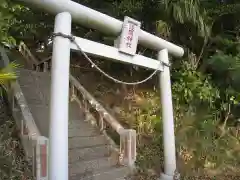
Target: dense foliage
column 205, row 81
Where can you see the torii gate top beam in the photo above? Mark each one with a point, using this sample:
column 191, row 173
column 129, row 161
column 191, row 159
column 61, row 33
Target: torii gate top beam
column 102, row 22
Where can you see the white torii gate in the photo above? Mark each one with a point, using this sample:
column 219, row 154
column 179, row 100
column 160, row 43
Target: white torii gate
column 125, row 50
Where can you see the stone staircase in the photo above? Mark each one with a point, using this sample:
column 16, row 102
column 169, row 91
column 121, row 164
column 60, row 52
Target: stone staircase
column 92, row 153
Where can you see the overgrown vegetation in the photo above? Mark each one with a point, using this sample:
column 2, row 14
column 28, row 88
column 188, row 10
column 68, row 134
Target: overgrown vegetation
column 205, row 82
column 12, row 159
column 13, row 165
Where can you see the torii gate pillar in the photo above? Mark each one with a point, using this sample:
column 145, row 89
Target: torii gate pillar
column 167, row 119
column 58, row 158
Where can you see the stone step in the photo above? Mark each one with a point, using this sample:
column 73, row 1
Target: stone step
column 78, row 123
column 88, row 141
column 75, row 114
column 35, row 86
column 84, row 154
column 90, row 166
column 27, row 76
column 82, row 132
column 103, row 174
column 33, row 96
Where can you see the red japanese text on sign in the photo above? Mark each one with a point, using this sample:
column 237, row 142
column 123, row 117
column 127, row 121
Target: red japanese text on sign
column 130, row 35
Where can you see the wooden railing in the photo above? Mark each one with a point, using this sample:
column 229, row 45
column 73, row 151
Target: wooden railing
column 127, row 151
column 32, row 60
column 94, row 112
column 32, row 141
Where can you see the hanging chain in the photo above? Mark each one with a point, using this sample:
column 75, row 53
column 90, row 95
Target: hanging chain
column 73, row 40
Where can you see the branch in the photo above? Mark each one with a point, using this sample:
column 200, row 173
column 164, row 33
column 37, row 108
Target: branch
column 225, row 122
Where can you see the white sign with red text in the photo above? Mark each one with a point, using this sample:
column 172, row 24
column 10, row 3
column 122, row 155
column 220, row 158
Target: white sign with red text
column 129, row 37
